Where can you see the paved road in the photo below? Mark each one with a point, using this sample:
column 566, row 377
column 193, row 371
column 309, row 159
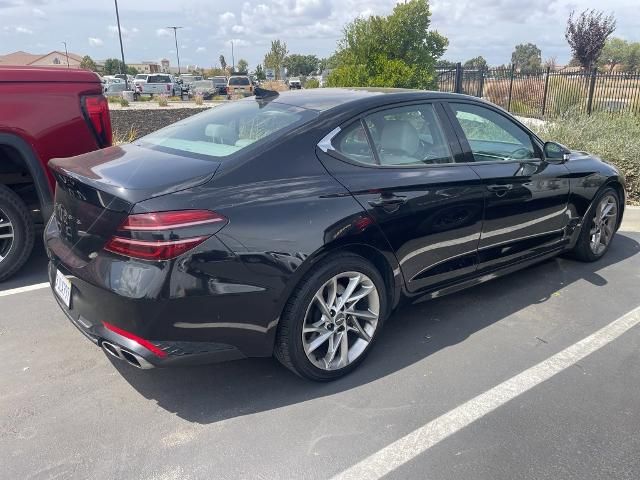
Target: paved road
column 67, row 411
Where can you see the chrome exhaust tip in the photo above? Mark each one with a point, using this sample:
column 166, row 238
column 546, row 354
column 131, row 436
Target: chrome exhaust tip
column 125, row 355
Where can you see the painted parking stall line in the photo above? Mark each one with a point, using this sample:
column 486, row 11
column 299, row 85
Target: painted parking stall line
column 28, row 288
column 423, row 438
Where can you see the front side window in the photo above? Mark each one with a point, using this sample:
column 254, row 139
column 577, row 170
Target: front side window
column 491, row 136
column 227, row 129
column 410, row 135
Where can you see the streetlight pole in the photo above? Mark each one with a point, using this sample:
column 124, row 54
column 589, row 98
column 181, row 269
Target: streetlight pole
column 66, row 54
column 123, row 67
column 233, row 59
column 175, row 37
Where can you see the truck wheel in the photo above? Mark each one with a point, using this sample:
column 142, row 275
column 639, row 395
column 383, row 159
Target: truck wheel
column 16, row 233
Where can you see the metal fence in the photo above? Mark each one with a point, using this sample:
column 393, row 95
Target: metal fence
column 546, row 93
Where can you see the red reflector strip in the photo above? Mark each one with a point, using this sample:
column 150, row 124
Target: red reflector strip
column 168, row 220
column 140, row 341
column 150, row 250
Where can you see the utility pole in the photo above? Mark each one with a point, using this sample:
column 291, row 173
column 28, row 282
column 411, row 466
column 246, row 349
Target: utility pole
column 175, row 37
column 233, row 59
column 66, row 54
column 123, row 66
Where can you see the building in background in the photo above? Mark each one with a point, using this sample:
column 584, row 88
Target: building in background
column 51, row 59
column 147, row 67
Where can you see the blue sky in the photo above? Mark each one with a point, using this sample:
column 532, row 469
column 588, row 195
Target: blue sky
column 474, row 27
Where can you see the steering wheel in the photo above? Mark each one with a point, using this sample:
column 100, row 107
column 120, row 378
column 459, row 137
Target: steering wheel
column 521, row 153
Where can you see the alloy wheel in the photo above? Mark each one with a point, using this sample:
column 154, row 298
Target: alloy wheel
column 341, row 320
column 6, row 235
column 604, row 223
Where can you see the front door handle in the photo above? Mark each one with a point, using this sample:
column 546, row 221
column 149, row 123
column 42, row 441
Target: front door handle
column 499, row 187
column 388, row 201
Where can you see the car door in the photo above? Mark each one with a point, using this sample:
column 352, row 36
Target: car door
column 526, row 196
column 399, row 163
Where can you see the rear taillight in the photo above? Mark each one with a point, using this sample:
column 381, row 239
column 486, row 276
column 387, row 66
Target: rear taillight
column 168, row 88
column 96, row 112
column 164, row 235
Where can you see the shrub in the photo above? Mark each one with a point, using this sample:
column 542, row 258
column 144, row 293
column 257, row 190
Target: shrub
column 163, row 101
column 198, row 99
column 124, row 102
column 614, row 138
column 124, row 137
column 312, row 83
column 113, row 99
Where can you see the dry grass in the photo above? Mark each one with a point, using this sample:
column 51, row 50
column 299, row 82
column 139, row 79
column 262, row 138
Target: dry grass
column 125, row 137
column 163, row 101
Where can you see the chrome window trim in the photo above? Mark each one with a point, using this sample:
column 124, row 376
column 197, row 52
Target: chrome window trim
column 325, row 144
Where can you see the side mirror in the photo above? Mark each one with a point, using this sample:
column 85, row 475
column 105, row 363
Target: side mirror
column 556, row 152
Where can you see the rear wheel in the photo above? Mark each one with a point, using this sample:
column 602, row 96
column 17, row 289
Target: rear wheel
column 332, row 319
column 16, row 233
column 599, row 227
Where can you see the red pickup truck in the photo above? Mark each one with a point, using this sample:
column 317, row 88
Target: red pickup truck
column 44, row 113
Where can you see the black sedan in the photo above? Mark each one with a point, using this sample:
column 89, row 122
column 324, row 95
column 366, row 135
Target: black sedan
column 292, row 224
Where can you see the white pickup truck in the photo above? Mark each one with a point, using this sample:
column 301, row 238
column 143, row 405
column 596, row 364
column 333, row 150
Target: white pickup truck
column 160, row 83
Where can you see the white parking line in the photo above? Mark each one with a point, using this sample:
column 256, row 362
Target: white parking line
column 28, row 288
column 410, row 446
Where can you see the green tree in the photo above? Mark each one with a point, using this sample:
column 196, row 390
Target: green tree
column 132, row 70
column 112, row 66
column 298, row 65
column 632, row 62
column 615, row 52
column 328, row 63
column 259, row 73
column 223, row 62
column 527, row 57
column 275, row 57
column 476, row 62
column 587, row 35
column 445, row 64
column 88, row 64
column 398, row 50
column 243, row 66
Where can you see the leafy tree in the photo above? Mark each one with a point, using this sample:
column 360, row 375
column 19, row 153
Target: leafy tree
column 112, row 66
column 587, row 35
column 445, row 64
column 276, row 56
column 527, row 57
column 312, row 83
column 214, row 72
column 88, row 64
column 298, row 65
column 398, row 50
column 132, row 70
column 632, row 62
column 243, row 66
column 259, row 73
column 223, row 62
column 476, row 62
column 328, row 63
column 551, row 62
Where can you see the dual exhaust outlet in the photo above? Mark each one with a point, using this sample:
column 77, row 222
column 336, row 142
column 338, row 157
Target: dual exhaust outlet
column 128, row 356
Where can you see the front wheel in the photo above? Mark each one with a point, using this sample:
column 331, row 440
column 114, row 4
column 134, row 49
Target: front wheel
column 332, row 319
column 599, row 227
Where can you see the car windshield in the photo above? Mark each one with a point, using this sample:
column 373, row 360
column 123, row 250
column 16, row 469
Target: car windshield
column 141, row 77
column 220, row 79
column 239, row 81
column 159, row 79
column 227, row 129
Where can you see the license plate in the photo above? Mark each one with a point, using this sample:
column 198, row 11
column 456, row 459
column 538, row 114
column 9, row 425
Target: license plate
column 62, row 288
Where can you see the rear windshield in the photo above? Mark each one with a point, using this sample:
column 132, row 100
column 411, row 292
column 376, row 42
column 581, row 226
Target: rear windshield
column 220, row 79
column 239, row 81
column 227, row 129
column 158, row 79
column 141, row 77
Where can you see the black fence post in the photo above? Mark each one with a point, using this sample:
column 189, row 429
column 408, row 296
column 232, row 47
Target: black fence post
column 481, row 83
column 458, row 78
column 546, row 89
column 592, row 87
column 513, row 70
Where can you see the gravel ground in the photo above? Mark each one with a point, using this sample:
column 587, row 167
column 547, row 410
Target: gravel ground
column 131, row 123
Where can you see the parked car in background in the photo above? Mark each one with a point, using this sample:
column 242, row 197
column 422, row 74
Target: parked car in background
column 239, row 85
column 128, row 78
column 220, row 82
column 189, row 78
column 206, row 88
column 294, row 223
column 160, row 83
column 44, row 113
column 114, row 86
column 294, row 83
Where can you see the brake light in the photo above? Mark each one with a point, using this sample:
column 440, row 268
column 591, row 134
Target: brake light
column 168, row 88
column 140, row 341
column 96, row 113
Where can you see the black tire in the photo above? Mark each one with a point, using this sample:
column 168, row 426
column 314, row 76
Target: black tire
column 18, row 250
column 582, row 250
column 289, row 349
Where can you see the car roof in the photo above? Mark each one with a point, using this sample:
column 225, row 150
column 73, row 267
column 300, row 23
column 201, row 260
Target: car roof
column 323, row 99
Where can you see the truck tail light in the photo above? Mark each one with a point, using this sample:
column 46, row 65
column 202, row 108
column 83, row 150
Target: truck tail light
column 168, row 88
column 164, row 235
column 96, row 113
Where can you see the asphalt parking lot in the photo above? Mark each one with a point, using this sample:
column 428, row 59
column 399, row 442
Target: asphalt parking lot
column 497, row 381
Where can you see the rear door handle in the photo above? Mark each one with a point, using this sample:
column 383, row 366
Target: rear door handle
column 388, row 201
column 499, row 188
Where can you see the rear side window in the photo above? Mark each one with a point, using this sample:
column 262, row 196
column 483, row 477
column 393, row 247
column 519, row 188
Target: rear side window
column 239, row 81
column 227, row 129
column 353, row 143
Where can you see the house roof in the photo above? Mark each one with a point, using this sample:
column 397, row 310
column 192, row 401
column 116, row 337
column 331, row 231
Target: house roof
column 24, row 58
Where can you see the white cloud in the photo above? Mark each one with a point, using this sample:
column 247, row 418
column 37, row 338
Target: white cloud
column 38, row 12
column 95, row 42
column 22, row 29
column 127, row 33
column 163, row 32
column 201, row 49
